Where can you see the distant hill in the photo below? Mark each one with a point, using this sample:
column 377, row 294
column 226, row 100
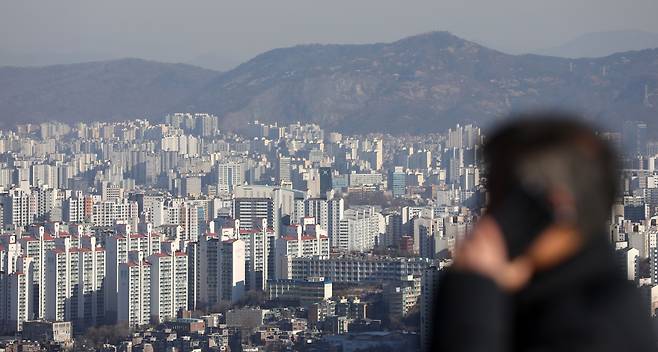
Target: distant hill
column 106, row 90
column 422, row 83
column 425, row 82
column 601, row 44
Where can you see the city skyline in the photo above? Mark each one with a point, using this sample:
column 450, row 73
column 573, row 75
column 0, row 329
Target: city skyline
column 181, row 225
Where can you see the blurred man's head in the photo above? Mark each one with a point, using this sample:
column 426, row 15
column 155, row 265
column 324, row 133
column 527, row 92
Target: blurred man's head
column 562, row 157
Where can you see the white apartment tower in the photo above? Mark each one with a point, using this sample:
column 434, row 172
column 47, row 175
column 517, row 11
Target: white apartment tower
column 134, row 296
column 74, row 284
column 16, row 297
column 301, row 240
column 35, row 248
column 328, row 214
column 359, row 229
column 653, row 256
column 16, row 207
column 73, row 210
column 108, row 213
column 229, row 175
column 259, row 245
column 231, row 269
column 207, row 266
column 118, row 248
column 168, row 285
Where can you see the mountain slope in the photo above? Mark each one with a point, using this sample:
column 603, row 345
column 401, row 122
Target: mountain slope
column 425, row 82
column 108, row 90
column 422, row 83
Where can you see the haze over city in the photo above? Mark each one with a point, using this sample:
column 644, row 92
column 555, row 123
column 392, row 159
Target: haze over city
column 222, row 34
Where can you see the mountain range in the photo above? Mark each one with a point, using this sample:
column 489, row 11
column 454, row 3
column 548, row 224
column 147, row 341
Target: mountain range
column 422, row 83
column 598, row 44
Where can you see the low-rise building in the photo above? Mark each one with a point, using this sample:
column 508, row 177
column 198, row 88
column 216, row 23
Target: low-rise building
column 401, row 296
column 305, row 292
column 358, row 268
column 186, row 325
column 47, row 331
column 245, row 318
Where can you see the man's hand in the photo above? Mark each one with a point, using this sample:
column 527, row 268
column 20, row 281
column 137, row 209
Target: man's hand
column 484, row 252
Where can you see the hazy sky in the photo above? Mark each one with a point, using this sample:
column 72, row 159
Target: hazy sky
column 228, row 32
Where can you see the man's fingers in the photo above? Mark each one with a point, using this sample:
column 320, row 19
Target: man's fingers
column 516, row 274
column 488, row 233
column 485, row 252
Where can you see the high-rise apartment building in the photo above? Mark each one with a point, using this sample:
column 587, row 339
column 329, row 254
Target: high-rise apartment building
column 397, row 181
column 108, row 213
column 118, row 248
column 429, row 285
column 300, row 240
column 16, row 208
column 259, row 255
column 16, row 297
column 74, row 284
column 231, row 270
column 168, row 290
column 207, row 270
column 134, row 293
column 229, row 175
column 73, row 210
column 325, row 181
column 284, row 170
column 359, row 229
column 251, row 211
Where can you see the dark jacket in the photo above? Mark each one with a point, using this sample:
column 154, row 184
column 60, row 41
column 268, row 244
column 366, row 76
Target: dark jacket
column 584, row 304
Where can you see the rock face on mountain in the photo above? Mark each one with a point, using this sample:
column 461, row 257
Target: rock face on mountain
column 421, row 83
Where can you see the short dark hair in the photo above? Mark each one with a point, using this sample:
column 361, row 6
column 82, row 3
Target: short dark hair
column 554, row 149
